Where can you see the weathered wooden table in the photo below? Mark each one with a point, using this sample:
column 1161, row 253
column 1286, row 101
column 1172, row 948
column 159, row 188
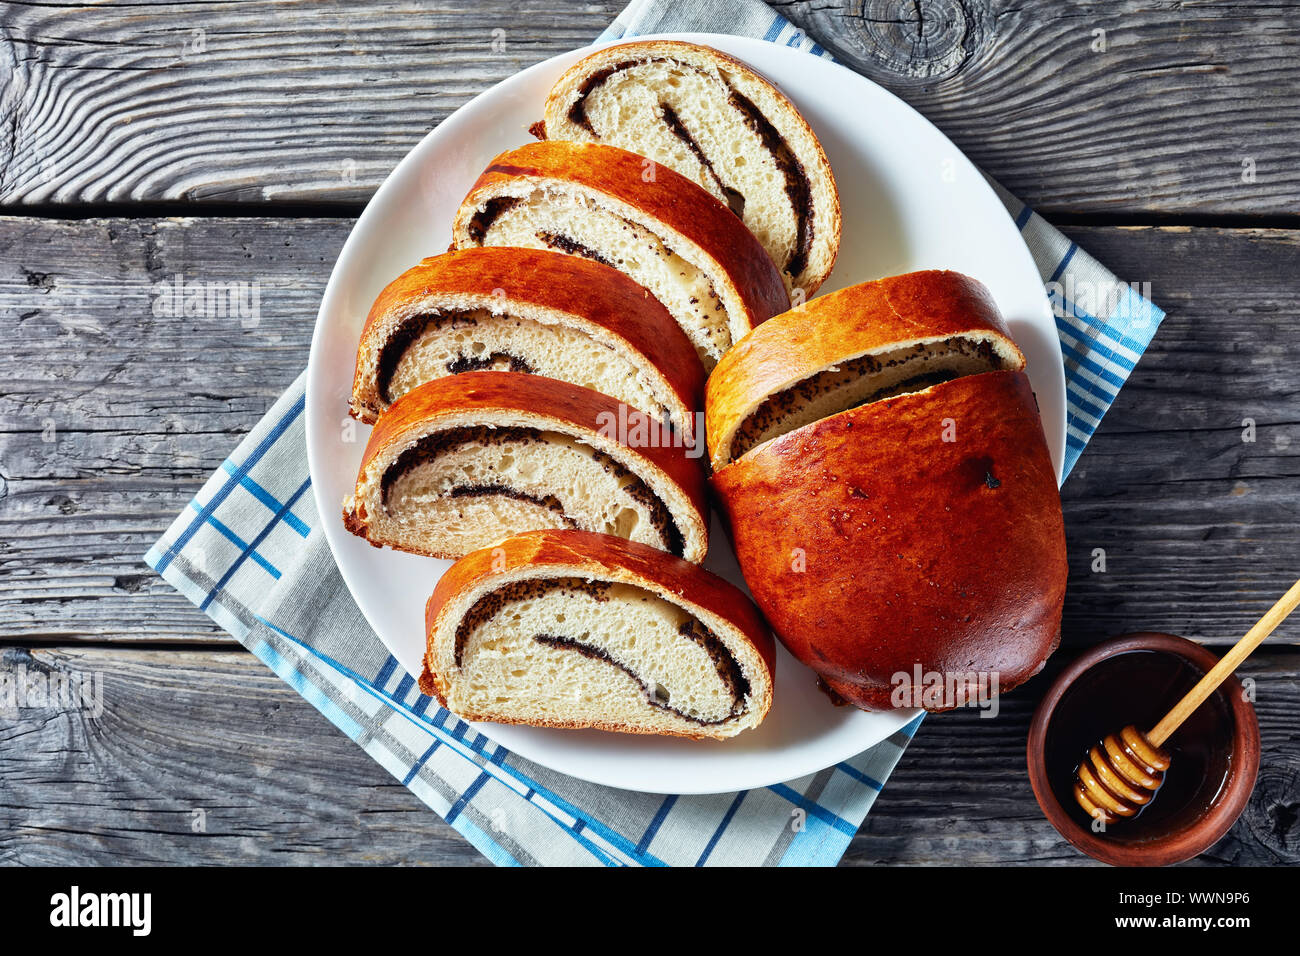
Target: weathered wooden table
column 230, row 141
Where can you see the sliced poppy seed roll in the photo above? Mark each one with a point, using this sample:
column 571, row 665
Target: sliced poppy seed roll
column 527, row 310
column 718, row 123
column 571, row 629
column 464, row 461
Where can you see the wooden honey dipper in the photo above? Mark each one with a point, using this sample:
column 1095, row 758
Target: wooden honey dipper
column 1120, row 775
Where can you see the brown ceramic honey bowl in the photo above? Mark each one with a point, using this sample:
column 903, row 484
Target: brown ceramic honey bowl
column 1135, row 679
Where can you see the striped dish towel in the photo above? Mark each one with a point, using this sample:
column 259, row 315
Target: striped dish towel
column 250, row 553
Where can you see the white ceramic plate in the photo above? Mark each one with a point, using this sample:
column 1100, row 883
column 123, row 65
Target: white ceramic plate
column 911, row 201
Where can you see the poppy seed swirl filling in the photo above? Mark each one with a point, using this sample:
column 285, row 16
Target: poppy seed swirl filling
column 861, row 381
column 484, row 462
column 798, row 188
column 735, row 200
column 412, row 330
column 430, row 342
column 679, row 664
column 492, row 210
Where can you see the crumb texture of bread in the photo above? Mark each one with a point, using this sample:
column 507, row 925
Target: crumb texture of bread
column 497, row 481
column 481, row 341
column 583, row 630
column 720, row 124
column 615, row 654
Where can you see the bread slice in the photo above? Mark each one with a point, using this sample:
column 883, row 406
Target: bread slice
column 572, row 629
column 654, row 225
column 527, row 310
column 861, row 344
column 463, row 461
column 713, row 119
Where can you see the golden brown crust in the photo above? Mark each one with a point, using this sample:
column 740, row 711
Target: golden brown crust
column 838, row 327
column 514, row 393
column 571, row 724
column 672, row 199
column 828, row 220
column 606, row 558
column 896, row 547
column 589, row 291
column 355, row 524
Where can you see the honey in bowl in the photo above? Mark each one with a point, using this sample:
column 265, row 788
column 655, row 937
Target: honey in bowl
column 1139, row 687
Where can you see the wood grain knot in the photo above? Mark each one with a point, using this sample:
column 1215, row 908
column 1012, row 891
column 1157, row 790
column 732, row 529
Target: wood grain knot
column 917, row 40
column 1268, row 831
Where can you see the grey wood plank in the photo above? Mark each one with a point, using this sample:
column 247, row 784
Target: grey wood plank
column 1197, row 525
column 250, row 102
column 94, row 354
column 1118, row 108
column 198, row 758
column 316, row 100
column 185, row 731
column 112, row 417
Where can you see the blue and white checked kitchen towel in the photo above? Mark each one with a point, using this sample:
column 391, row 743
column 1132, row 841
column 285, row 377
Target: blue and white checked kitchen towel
column 250, row 553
